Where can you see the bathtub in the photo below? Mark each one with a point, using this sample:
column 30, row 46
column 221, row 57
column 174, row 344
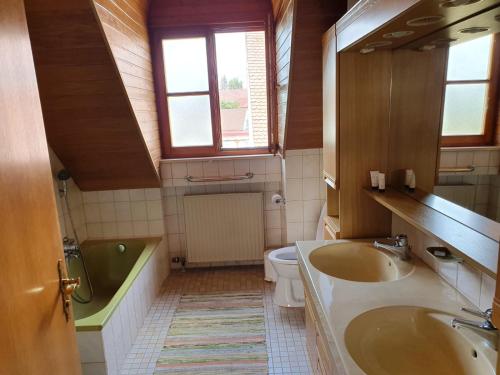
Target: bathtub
column 125, row 284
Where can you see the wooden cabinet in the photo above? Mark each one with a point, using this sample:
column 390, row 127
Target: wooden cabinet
column 317, row 345
column 330, row 128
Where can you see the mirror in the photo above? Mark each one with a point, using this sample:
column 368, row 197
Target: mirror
column 445, row 120
column 468, row 175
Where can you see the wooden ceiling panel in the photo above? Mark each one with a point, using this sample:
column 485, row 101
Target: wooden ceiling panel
column 90, row 121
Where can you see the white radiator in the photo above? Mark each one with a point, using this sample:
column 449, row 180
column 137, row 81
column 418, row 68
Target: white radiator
column 224, row 227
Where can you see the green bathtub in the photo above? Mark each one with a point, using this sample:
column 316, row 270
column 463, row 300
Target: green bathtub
column 112, row 273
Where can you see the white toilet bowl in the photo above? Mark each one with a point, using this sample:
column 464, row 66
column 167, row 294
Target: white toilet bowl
column 289, row 291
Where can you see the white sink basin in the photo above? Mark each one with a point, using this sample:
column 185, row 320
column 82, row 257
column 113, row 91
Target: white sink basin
column 358, row 261
column 413, row 341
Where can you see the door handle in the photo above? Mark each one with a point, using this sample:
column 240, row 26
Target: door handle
column 66, row 287
column 69, row 285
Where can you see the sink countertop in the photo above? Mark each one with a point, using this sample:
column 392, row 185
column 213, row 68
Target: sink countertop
column 339, row 301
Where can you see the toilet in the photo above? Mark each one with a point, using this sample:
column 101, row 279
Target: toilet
column 289, row 291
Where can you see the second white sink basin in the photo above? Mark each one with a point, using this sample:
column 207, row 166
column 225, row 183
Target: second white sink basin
column 358, row 261
column 413, row 340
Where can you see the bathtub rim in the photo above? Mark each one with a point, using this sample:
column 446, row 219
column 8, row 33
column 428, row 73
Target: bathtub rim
column 96, row 322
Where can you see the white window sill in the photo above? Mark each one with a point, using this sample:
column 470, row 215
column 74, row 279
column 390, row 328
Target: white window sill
column 476, row 148
column 207, row 158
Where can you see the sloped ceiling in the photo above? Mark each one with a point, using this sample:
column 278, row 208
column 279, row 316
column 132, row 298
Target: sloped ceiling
column 94, row 77
column 300, row 25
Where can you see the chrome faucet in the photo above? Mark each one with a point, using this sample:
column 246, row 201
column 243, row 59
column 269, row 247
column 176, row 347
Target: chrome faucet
column 484, row 328
column 71, row 248
column 397, row 245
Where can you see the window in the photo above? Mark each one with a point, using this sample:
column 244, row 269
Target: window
column 470, row 93
column 214, row 94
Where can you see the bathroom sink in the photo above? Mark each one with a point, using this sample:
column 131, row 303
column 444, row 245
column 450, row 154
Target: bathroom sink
column 358, row 261
column 413, row 341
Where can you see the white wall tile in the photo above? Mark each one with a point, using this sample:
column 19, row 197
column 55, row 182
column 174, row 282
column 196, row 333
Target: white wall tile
column 465, row 158
column 165, row 171
column 273, row 165
column 123, row 211
column 92, row 212
column 94, row 368
column 312, row 210
column 310, row 188
column 195, row 168
column 154, row 210
column 90, row 197
column 488, row 285
column 125, row 229
column 109, row 230
column 156, row 227
column 273, row 219
column 140, row 228
column 91, row 346
column 273, row 237
column 293, row 165
column 448, row 159
column 179, row 170
column 94, row 230
column 153, row 194
column 293, row 189
column 241, row 167
column 226, row 168
column 258, row 166
column 105, row 196
column 121, row 195
column 295, row 212
column 310, row 166
column 469, row 283
column 139, row 211
column 107, row 212
column 310, row 229
column 295, row 232
column 210, row 168
column 481, row 158
column 137, row 195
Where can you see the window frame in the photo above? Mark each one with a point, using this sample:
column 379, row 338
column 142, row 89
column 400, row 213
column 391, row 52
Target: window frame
column 492, row 105
column 208, row 32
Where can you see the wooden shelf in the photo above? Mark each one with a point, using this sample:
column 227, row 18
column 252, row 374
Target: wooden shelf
column 474, row 247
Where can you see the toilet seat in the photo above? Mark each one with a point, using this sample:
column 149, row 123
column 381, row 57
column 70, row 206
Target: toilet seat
column 285, row 255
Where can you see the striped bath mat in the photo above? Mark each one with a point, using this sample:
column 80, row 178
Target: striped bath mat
column 216, row 333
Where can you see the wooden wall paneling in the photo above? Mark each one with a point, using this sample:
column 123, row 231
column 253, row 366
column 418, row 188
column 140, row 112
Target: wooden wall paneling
column 88, row 118
column 36, row 339
column 304, row 128
column 284, row 47
column 416, row 102
column 173, row 13
column 125, row 27
column 364, row 110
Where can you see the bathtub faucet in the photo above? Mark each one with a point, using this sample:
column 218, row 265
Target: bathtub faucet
column 71, row 248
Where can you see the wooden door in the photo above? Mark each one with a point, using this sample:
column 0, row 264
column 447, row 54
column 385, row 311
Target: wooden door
column 35, row 338
column 330, row 128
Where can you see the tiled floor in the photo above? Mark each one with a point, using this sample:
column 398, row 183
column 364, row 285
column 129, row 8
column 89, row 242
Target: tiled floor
column 285, row 329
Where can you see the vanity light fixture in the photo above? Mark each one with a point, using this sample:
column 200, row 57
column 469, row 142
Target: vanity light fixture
column 427, row 47
column 381, row 43
column 457, row 3
column 443, row 41
column 424, row 21
column 398, row 34
column 366, row 50
column 474, row 30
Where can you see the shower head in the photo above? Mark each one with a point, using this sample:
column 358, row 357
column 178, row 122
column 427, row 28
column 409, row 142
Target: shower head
column 63, row 175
